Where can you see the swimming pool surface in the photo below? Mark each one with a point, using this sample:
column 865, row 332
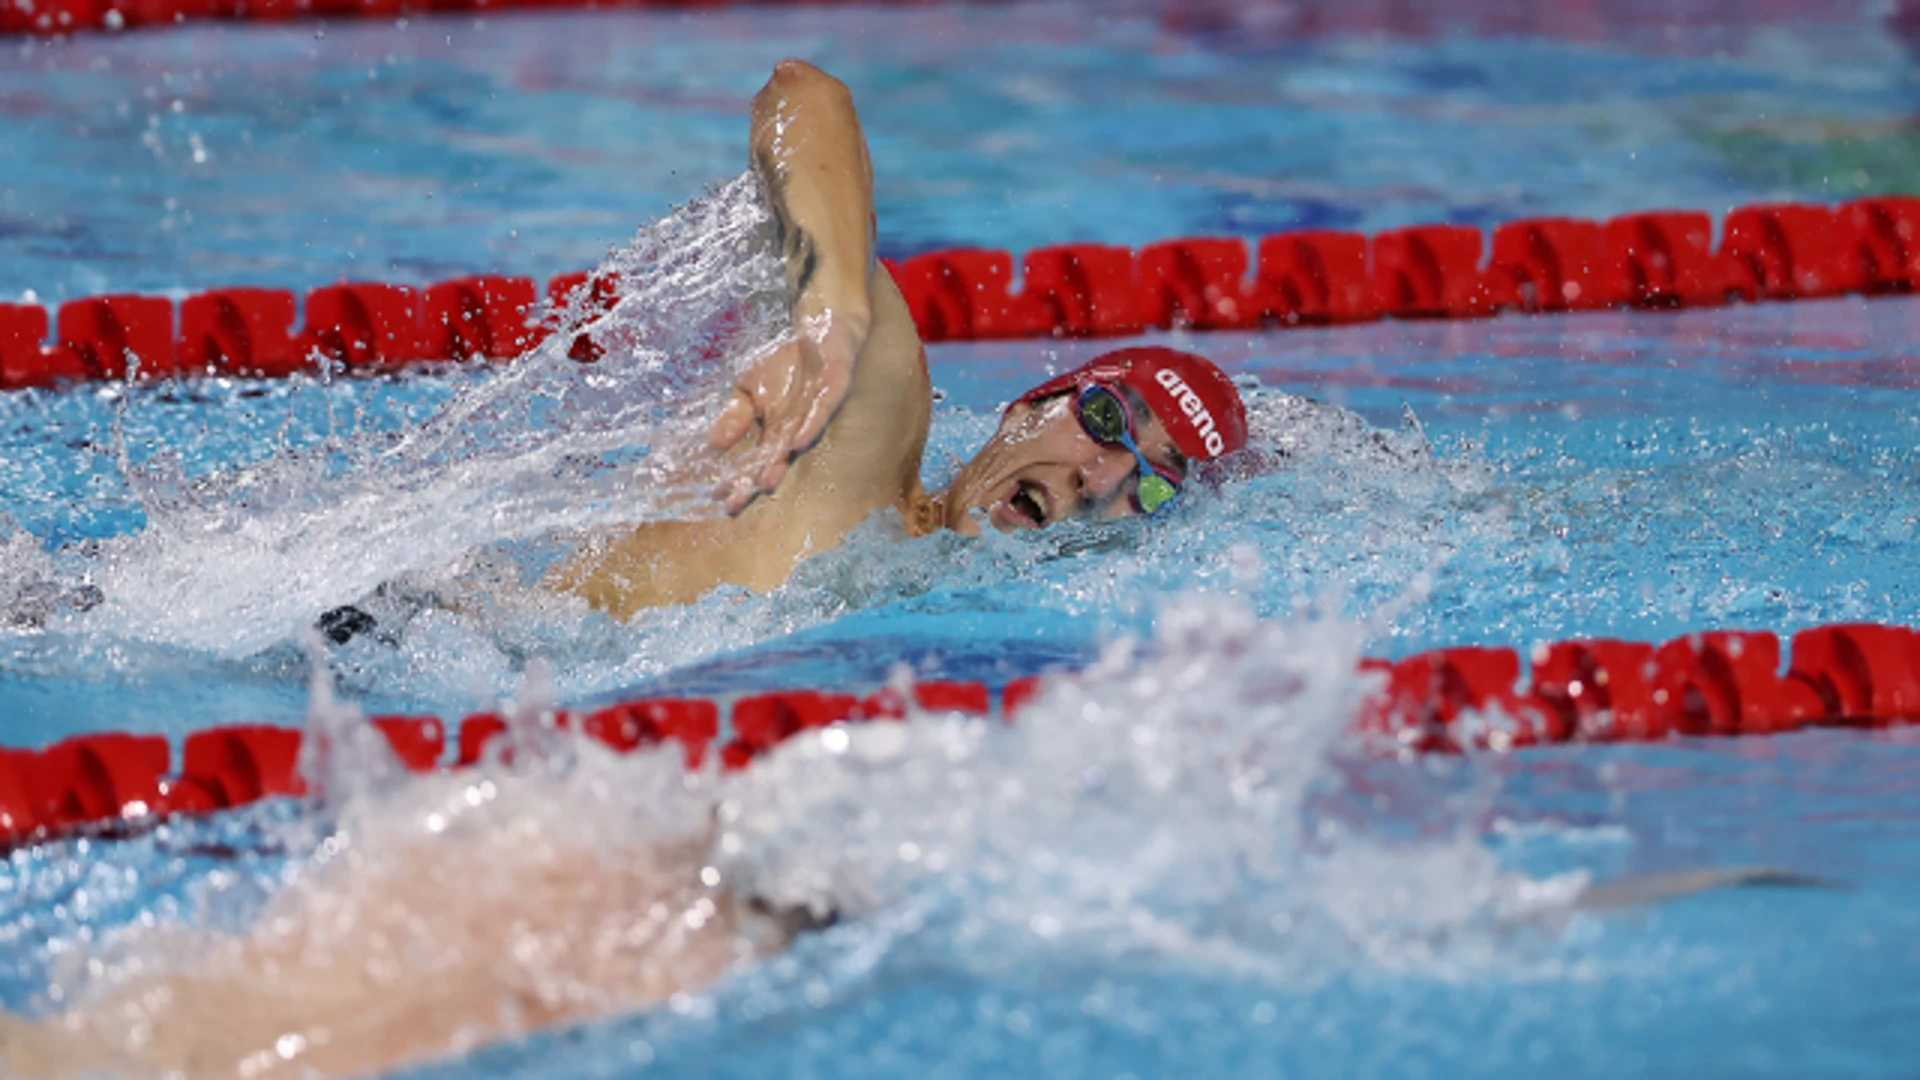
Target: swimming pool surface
column 292, row 155
column 1157, row 880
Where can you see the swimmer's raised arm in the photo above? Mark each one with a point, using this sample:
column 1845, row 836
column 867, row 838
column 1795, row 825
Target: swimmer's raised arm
column 827, row 427
column 812, row 156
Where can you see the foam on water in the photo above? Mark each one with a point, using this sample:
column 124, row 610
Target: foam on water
column 1165, row 810
column 1155, row 805
column 232, row 562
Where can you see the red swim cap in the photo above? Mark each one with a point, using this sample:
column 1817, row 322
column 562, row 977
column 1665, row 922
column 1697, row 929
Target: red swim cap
column 1195, row 401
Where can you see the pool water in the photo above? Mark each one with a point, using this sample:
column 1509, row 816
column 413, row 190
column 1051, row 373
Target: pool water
column 1182, row 864
column 426, row 148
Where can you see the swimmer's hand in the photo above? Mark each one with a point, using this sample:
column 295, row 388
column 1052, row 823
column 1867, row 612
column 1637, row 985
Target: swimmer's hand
column 1656, row 888
column 788, row 395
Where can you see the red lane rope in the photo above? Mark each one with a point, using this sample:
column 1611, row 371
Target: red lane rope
column 1579, row 21
column 1656, row 259
column 55, row 17
column 1717, row 683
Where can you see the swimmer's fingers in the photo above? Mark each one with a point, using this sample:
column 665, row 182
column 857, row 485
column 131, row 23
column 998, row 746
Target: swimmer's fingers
column 782, row 446
column 759, row 474
column 739, row 486
column 793, row 393
column 831, row 371
column 766, row 379
column 742, row 484
column 827, row 397
column 787, row 441
column 826, row 377
column 734, row 422
column 767, row 464
column 737, row 492
column 772, row 473
column 763, row 461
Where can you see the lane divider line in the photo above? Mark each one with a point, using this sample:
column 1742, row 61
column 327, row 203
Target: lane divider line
column 1657, row 259
column 48, row 18
column 1719, row 683
column 58, row 17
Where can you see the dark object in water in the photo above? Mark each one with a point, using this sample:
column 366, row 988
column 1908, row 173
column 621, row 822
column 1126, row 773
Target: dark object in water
column 344, row 623
column 38, row 601
column 1634, row 892
column 796, row 919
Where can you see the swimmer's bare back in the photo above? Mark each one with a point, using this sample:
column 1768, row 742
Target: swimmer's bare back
column 825, row 430
column 353, row 970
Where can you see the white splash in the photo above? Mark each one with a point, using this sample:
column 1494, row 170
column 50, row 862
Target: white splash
column 1157, row 808
column 233, row 563
column 1157, row 803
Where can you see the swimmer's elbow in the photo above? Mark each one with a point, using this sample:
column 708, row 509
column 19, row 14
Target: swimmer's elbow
column 800, row 73
column 797, row 78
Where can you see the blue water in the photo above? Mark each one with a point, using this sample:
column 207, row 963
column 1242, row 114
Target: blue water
column 1631, row 474
column 300, row 154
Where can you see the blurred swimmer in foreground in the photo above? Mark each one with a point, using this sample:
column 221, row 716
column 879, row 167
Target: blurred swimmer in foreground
column 496, row 928
column 407, row 937
column 828, row 428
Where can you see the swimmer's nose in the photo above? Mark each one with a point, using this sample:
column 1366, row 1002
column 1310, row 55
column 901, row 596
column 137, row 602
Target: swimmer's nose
column 1103, row 476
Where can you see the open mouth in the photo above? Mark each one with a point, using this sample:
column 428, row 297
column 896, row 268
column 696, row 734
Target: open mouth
column 1029, row 501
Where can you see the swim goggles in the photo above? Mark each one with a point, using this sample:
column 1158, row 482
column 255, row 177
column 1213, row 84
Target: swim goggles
column 1107, row 419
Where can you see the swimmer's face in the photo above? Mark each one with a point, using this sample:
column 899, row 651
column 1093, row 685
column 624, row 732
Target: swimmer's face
column 1042, row 467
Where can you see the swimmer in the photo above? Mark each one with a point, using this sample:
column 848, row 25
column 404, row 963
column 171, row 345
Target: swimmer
column 402, row 952
column 432, row 950
column 828, row 428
